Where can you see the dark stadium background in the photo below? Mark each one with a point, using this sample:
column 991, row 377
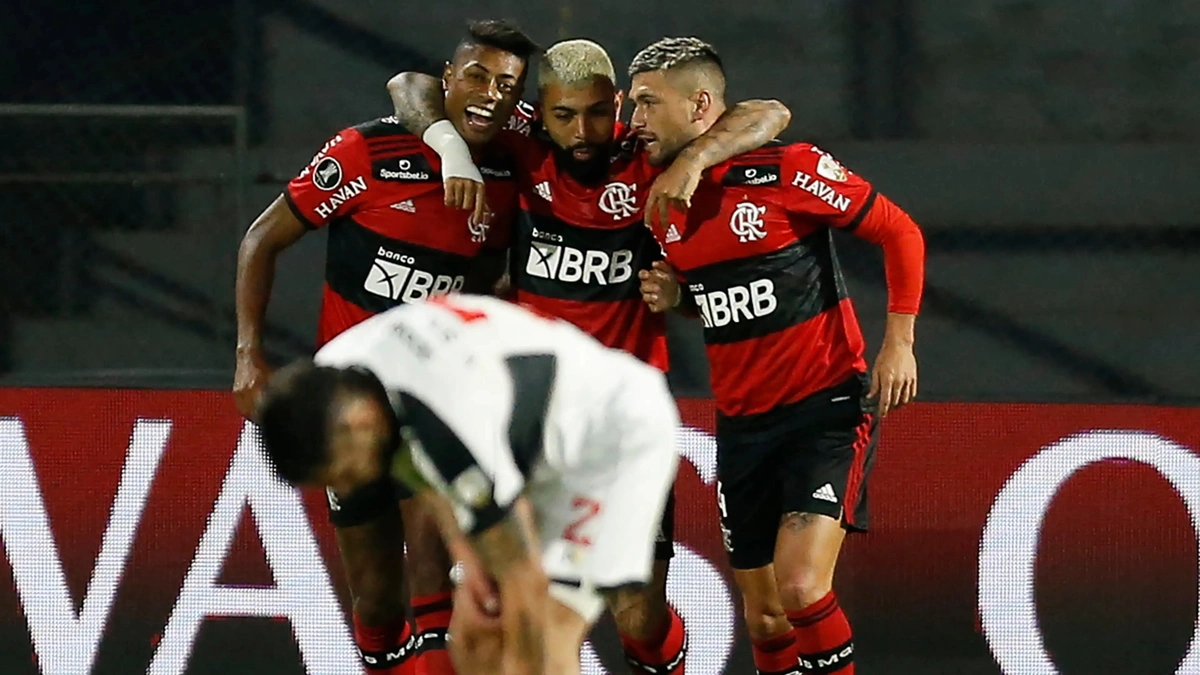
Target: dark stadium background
column 1049, row 149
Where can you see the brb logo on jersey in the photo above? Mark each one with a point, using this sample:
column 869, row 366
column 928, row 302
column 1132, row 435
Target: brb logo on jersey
column 619, row 201
column 736, row 303
column 747, row 223
column 394, row 276
column 565, row 263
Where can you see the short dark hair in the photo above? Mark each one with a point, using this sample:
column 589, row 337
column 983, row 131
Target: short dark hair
column 673, row 52
column 502, row 34
column 297, row 411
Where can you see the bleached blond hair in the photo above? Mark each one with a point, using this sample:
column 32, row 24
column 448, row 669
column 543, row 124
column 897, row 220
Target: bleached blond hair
column 575, row 62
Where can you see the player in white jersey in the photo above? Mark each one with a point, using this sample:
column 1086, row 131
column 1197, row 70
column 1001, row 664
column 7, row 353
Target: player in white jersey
column 547, row 456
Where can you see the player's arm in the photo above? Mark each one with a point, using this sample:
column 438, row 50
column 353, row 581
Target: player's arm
column 304, row 205
column 274, row 230
column 746, row 126
column 501, row 536
column 818, row 186
column 894, row 377
column 507, row 553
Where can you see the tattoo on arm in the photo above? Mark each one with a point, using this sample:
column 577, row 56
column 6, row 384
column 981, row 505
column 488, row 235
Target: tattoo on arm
column 746, row 126
column 418, row 100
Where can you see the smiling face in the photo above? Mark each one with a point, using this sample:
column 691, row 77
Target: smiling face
column 483, row 85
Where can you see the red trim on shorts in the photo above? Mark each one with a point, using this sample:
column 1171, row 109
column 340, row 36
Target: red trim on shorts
column 857, row 468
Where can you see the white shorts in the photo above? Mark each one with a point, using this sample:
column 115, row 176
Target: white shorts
column 599, row 511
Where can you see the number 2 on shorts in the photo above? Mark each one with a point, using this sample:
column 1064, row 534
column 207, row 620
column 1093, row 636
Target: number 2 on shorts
column 591, row 509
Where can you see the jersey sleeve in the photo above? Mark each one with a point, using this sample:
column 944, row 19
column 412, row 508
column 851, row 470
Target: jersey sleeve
column 524, row 118
column 331, row 185
column 821, row 187
column 816, row 186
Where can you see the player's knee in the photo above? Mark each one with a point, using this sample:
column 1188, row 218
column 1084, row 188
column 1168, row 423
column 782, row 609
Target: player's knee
column 764, row 622
column 379, row 605
column 764, row 615
column 802, row 586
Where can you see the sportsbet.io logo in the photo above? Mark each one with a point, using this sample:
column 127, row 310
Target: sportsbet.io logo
column 394, row 276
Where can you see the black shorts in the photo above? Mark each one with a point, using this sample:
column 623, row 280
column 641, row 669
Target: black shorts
column 664, row 547
column 813, row 456
column 367, row 503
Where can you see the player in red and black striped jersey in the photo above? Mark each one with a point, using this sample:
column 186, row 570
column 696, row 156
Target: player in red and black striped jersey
column 580, row 240
column 754, row 257
column 395, row 235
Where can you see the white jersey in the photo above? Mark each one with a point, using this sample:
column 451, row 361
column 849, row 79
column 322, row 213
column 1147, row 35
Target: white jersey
column 460, row 357
column 496, row 401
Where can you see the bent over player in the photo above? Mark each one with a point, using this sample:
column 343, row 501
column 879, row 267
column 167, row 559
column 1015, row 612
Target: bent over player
column 378, row 190
column 580, row 239
column 797, row 424
column 490, row 406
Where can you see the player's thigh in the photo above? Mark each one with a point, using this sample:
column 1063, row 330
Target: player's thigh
column 824, row 496
column 570, row 615
column 806, row 555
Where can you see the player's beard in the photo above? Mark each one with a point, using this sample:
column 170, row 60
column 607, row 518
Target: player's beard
column 586, row 172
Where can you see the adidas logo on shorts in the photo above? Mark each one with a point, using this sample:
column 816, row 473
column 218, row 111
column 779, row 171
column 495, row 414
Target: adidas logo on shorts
column 825, row 493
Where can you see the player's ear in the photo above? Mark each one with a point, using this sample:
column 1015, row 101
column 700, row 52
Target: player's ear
column 619, row 101
column 702, row 102
column 447, row 74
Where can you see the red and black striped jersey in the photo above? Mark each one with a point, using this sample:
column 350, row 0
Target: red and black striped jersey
column 577, row 249
column 756, row 254
column 392, row 239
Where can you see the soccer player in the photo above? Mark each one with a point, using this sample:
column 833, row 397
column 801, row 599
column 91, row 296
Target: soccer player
column 796, row 430
column 580, row 239
column 394, row 237
column 489, row 409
